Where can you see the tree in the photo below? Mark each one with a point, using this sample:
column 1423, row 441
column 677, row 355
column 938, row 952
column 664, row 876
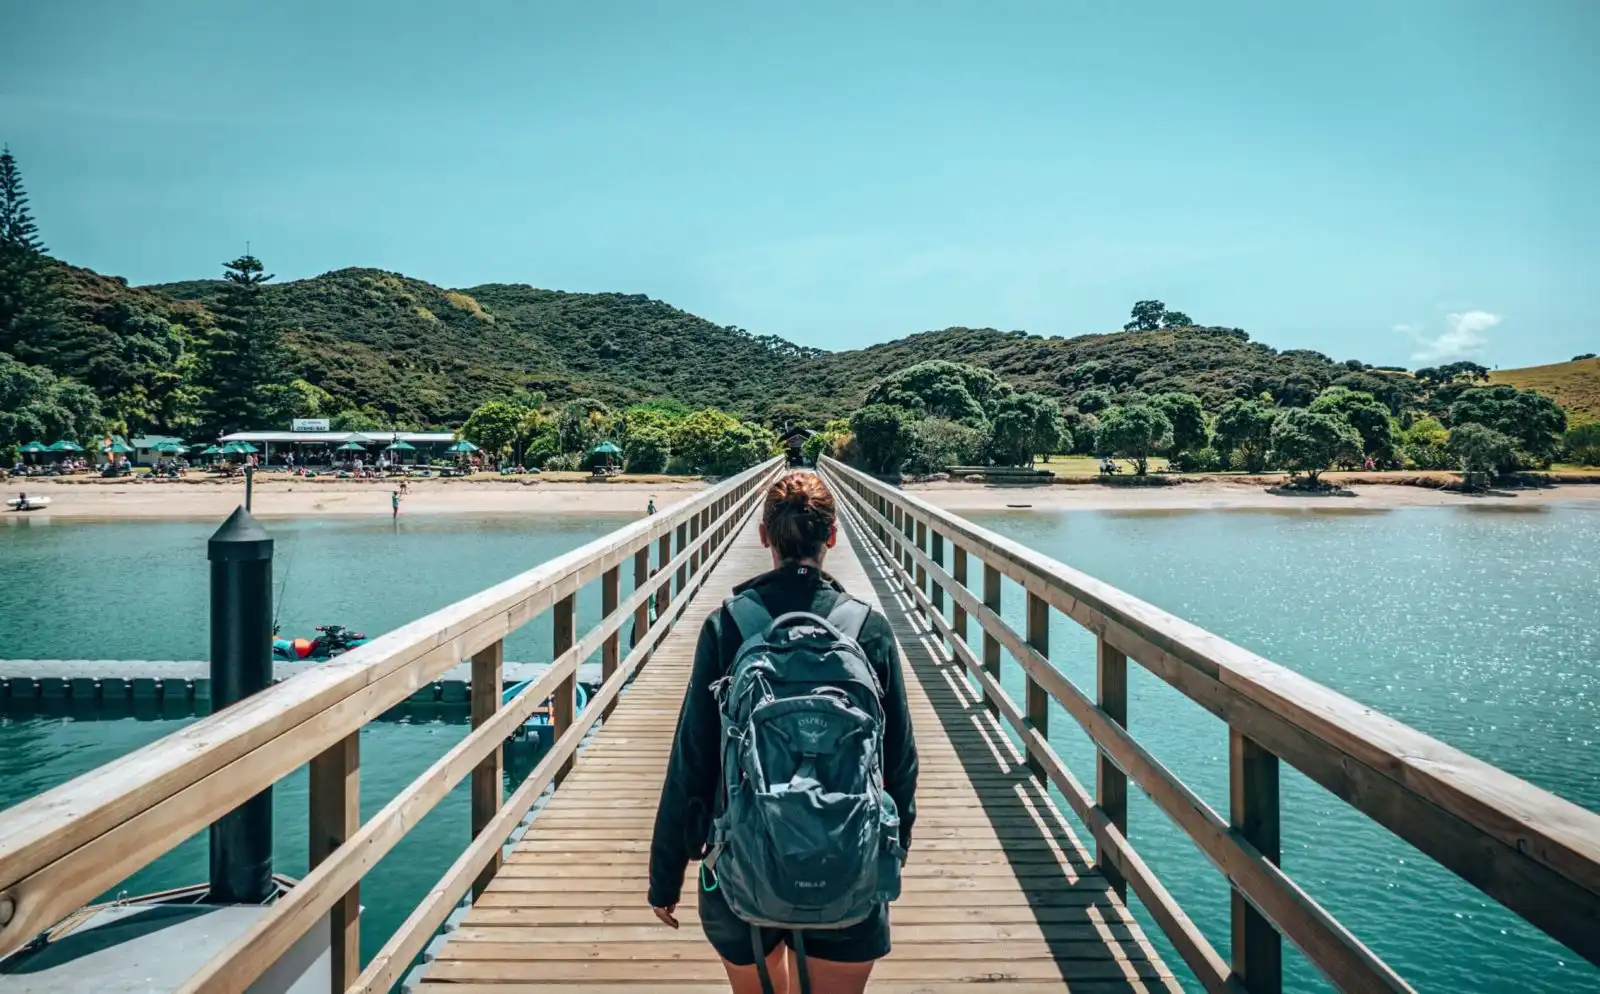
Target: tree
column 1425, row 444
column 38, row 406
column 1533, row 420
column 1189, row 432
column 581, row 424
column 1245, row 427
column 1481, row 452
column 1583, row 444
column 954, row 391
column 355, row 420
column 940, row 444
column 1367, row 416
column 883, row 436
column 1309, row 442
column 1133, row 432
column 245, row 369
column 1146, row 316
column 494, row 427
column 648, row 449
column 28, row 302
column 1025, row 424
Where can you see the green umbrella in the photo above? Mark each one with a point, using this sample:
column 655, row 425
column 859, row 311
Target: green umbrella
column 244, row 447
column 210, row 450
column 117, row 449
column 35, row 447
column 65, row 446
column 402, row 446
column 605, row 449
column 350, row 447
column 462, row 446
column 169, row 448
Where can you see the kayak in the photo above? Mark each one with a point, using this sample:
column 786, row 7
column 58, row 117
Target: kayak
column 31, row 504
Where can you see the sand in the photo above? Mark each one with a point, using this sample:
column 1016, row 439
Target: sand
column 276, row 498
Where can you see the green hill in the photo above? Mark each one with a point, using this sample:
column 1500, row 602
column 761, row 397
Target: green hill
column 423, row 354
column 1574, row 385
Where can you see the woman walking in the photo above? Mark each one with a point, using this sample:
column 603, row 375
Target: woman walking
column 794, row 769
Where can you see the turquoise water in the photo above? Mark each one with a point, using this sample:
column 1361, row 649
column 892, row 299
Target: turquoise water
column 1478, row 627
column 139, row 591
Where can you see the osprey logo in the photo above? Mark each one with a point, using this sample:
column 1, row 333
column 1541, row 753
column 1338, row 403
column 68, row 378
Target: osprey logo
column 813, row 727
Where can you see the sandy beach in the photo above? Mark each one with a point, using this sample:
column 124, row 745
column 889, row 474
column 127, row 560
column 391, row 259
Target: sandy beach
column 210, row 499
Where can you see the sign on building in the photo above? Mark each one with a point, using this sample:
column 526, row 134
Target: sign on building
column 309, row 424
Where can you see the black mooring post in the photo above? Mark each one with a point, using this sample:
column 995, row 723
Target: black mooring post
column 241, row 664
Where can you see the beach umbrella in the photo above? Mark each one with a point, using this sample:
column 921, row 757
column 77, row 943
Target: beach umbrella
column 64, row 446
column 117, row 449
column 401, row 445
column 605, row 449
column 35, row 447
column 210, row 450
column 350, row 447
column 462, row 446
column 244, row 447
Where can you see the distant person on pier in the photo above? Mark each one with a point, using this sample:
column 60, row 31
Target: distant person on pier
column 651, row 507
column 808, row 826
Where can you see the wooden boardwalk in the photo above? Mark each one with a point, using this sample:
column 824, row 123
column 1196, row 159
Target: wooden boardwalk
column 998, row 894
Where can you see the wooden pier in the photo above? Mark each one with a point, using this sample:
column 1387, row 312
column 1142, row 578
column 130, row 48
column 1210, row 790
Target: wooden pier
column 1004, row 890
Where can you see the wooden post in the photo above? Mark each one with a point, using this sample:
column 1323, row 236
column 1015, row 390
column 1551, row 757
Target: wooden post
column 958, row 569
column 899, row 528
column 1038, row 697
column 937, row 593
column 486, row 777
column 641, row 614
column 683, row 570
column 563, row 705
column 663, row 592
column 1110, row 783
column 694, row 535
column 1253, row 813
column 922, row 571
column 335, row 815
column 610, row 597
column 991, row 645
column 905, row 547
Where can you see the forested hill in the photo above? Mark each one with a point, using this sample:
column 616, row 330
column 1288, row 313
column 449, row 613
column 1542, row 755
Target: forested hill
column 381, row 340
column 415, row 353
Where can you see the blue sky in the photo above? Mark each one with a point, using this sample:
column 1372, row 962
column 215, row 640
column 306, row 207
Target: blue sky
column 1402, row 182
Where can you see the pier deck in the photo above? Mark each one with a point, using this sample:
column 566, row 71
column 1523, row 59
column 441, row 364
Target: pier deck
column 998, row 889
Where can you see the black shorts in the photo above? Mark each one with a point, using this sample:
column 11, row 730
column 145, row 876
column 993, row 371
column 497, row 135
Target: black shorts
column 730, row 936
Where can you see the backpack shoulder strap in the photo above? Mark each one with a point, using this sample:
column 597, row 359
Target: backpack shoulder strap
column 849, row 615
column 749, row 614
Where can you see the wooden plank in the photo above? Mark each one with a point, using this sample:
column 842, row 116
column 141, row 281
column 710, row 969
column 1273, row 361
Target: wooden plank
column 991, row 645
column 335, row 816
column 564, row 703
column 487, row 776
column 1038, row 697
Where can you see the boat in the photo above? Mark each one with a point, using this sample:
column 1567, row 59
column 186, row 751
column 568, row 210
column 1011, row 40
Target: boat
column 28, row 503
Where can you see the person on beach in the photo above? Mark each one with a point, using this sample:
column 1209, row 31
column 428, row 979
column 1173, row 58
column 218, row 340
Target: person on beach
column 394, row 502
column 651, row 507
column 827, row 777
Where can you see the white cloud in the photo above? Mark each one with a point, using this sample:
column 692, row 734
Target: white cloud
column 1465, row 337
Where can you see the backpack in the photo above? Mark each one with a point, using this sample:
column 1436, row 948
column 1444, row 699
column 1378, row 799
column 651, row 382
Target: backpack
column 806, row 837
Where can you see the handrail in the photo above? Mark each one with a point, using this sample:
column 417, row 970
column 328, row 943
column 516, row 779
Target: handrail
column 1532, row 851
column 60, row 849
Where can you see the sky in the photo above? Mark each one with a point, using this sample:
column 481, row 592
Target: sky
column 1403, row 183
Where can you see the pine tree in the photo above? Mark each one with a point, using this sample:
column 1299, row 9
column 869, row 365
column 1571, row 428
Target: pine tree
column 246, row 370
column 28, row 303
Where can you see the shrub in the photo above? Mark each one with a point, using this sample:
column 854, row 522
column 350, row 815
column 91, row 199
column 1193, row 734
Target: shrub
column 1206, row 460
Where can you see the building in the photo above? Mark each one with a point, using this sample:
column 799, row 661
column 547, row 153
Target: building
column 318, row 448
column 794, row 440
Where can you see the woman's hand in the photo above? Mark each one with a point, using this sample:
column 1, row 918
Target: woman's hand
column 666, row 915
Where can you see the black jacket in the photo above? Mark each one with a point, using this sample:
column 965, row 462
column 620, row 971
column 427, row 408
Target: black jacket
column 694, row 774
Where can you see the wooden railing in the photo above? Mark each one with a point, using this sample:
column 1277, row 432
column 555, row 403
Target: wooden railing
column 62, row 848
column 1526, row 848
